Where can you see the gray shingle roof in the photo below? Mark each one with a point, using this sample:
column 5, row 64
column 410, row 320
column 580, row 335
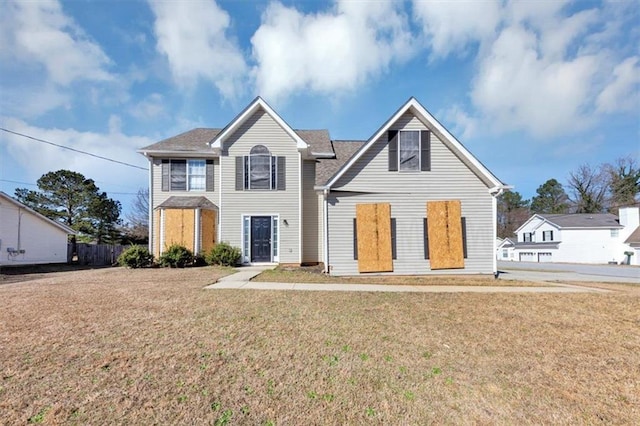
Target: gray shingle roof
column 193, row 140
column 185, row 202
column 634, row 238
column 583, row 220
column 196, row 140
column 344, row 150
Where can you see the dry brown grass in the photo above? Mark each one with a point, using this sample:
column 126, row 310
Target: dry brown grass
column 314, row 275
column 151, row 346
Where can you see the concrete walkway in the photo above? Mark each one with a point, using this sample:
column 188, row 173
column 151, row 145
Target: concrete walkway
column 242, row 280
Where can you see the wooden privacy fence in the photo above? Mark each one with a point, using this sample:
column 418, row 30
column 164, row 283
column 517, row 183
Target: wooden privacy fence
column 95, row 254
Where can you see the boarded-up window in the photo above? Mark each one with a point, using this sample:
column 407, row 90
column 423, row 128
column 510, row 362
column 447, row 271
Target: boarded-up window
column 444, row 235
column 208, row 231
column 374, row 242
column 179, row 227
column 425, row 236
column 394, row 254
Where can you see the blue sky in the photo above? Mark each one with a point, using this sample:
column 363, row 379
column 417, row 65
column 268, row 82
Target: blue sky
column 534, row 89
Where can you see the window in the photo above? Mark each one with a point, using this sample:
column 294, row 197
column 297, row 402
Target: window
column 260, row 170
column 527, row 237
column 505, row 253
column 463, row 228
column 187, row 175
column 615, row 233
column 409, row 150
column 547, row 235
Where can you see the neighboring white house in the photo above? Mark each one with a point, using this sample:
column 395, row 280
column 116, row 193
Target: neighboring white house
column 579, row 238
column 505, row 249
column 27, row 237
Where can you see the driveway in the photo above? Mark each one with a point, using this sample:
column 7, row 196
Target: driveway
column 568, row 272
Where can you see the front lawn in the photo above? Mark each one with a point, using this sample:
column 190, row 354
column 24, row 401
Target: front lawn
column 152, row 347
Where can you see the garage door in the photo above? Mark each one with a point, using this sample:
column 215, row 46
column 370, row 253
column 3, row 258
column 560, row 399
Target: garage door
column 528, row 257
column 544, row 257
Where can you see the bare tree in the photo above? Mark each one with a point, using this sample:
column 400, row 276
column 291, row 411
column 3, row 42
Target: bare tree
column 624, row 182
column 138, row 217
column 588, row 187
column 513, row 211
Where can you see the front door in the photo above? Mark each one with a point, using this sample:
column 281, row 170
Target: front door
column 261, row 238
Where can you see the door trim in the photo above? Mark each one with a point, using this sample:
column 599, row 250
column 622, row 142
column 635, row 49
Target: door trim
column 245, row 237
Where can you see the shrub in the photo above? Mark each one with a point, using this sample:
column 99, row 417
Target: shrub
column 176, row 256
column 223, row 254
column 135, row 257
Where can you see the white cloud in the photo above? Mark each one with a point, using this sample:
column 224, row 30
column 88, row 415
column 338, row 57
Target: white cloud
column 152, row 107
column 193, row 37
column 327, row 52
column 451, row 26
column 38, row 32
column 621, row 92
column 40, row 158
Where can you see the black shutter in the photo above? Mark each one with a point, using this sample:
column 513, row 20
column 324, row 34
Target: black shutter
column 393, row 150
column 425, row 147
column 282, row 173
column 209, row 178
column 165, row 174
column 393, row 238
column 464, row 236
column 355, row 239
column 425, row 238
column 273, row 172
column 239, row 174
column 245, row 171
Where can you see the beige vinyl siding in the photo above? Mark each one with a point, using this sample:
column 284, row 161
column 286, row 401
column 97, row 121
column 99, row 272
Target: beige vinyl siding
column 159, row 196
column 310, row 219
column 369, row 181
column 261, row 129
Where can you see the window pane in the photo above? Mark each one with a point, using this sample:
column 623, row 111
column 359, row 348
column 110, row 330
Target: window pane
column 260, row 171
column 245, row 238
column 409, row 150
column 197, row 175
column 274, row 243
column 178, row 175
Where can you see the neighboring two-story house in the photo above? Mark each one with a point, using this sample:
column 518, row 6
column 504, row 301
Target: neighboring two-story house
column 578, row 238
column 409, row 200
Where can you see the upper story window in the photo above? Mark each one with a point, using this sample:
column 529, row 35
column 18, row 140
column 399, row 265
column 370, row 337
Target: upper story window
column 615, row 233
column 187, row 175
column 527, row 237
column 409, row 150
column 260, row 170
column 547, row 235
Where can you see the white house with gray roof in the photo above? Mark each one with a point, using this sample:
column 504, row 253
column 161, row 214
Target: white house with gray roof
column 579, row 238
column 409, row 200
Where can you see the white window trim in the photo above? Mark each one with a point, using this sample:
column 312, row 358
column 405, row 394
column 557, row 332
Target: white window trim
column 419, row 151
column 186, row 174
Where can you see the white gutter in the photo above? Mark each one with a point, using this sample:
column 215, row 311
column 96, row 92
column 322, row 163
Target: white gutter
column 197, row 236
column 325, row 223
column 300, row 226
column 495, row 192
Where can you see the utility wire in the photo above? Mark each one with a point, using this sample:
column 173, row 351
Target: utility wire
column 73, row 149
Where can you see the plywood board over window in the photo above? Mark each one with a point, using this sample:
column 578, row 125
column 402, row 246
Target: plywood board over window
column 374, row 237
column 446, row 249
column 208, row 229
column 179, row 226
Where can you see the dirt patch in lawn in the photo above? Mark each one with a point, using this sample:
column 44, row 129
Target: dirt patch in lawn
column 314, row 274
column 151, row 346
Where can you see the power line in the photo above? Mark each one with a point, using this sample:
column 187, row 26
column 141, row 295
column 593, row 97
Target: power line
column 33, row 184
column 72, row 149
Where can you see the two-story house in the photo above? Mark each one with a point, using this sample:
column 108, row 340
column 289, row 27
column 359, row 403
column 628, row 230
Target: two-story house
column 409, row 200
column 578, row 238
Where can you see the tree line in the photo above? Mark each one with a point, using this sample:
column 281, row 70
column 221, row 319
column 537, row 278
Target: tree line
column 69, row 197
column 600, row 189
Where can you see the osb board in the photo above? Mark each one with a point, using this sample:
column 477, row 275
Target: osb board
column 179, row 227
column 208, row 230
column 156, row 233
column 445, row 234
column 374, row 237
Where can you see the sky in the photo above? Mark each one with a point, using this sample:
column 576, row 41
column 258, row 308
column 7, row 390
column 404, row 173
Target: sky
column 534, row 89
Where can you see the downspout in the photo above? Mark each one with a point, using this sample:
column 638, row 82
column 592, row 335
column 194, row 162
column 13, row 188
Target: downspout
column 150, row 205
column 197, row 236
column 325, row 224
column 495, row 193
